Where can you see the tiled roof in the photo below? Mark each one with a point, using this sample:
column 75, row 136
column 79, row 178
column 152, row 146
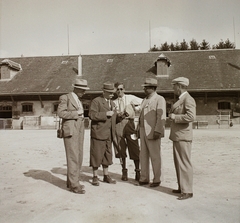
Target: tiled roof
column 212, row 70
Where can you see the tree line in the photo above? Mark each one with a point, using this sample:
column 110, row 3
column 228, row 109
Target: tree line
column 193, row 45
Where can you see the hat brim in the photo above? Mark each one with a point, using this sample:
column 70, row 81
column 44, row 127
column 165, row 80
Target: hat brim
column 149, row 85
column 108, row 90
column 173, row 83
column 80, row 87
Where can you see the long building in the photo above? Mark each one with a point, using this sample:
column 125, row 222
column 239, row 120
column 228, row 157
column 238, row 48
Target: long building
column 30, row 86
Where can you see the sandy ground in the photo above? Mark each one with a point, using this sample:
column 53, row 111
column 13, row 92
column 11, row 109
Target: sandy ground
column 33, row 187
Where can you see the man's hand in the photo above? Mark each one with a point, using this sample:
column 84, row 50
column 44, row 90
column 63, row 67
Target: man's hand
column 156, row 135
column 172, row 116
column 109, row 113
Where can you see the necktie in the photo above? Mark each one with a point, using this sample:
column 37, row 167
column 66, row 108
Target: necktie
column 121, row 105
column 109, row 103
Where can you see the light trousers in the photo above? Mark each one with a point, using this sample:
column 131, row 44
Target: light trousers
column 150, row 150
column 183, row 165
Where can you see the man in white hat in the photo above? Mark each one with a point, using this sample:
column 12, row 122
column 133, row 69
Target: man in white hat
column 103, row 120
column 71, row 111
column 182, row 114
column 152, row 126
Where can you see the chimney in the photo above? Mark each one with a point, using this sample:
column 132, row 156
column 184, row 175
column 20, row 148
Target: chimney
column 80, row 65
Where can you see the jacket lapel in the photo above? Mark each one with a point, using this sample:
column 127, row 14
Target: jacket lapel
column 72, row 100
column 178, row 103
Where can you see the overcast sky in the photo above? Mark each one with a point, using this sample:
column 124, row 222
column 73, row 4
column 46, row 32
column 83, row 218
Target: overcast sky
column 62, row 27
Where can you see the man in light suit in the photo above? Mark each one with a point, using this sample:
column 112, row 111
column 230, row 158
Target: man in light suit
column 71, row 111
column 103, row 117
column 151, row 126
column 182, row 114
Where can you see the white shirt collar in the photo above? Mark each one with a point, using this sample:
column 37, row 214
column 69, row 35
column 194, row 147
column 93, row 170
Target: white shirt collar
column 182, row 94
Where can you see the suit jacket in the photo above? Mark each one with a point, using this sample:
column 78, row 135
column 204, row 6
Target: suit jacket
column 185, row 113
column 154, row 115
column 102, row 127
column 67, row 110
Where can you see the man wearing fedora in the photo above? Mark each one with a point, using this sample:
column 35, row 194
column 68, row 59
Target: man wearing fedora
column 71, row 111
column 182, row 114
column 151, row 126
column 103, row 120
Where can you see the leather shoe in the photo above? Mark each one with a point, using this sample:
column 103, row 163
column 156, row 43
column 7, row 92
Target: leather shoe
column 142, row 183
column 79, row 187
column 95, row 181
column 185, row 196
column 156, row 184
column 178, row 191
column 108, row 179
column 78, row 190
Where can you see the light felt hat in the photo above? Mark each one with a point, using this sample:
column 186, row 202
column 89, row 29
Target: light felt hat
column 109, row 87
column 81, row 84
column 150, row 82
column 181, row 80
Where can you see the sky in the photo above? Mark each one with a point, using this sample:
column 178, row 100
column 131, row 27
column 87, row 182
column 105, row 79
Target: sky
column 33, row 28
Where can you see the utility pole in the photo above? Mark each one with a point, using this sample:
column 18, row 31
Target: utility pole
column 149, row 35
column 234, row 33
column 68, row 37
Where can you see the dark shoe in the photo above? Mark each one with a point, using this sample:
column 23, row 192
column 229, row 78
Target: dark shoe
column 78, row 190
column 124, row 174
column 137, row 174
column 185, row 196
column 155, row 184
column 142, row 183
column 95, row 181
column 108, row 179
column 80, row 186
column 178, row 191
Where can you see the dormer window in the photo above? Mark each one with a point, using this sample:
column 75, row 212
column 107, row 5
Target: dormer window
column 162, row 64
column 9, row 69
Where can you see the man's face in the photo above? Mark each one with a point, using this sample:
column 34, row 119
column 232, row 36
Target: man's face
column 176, row 89
column 107, row 95
column 148, row 90
column 120, row 91
column 79, row 92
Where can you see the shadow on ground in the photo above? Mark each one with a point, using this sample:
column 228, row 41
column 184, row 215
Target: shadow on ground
column 47, row 177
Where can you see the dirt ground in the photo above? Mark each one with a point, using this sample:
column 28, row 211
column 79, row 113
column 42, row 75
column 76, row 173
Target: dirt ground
column 33, row 186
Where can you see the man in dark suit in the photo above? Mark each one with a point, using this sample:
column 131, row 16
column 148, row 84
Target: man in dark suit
column 182, row 114
column 71, row 111
column 103, row 120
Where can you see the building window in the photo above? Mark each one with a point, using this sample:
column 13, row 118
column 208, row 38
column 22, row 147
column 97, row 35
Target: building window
column 224, row 105
column 27, row 107
column 6, row 108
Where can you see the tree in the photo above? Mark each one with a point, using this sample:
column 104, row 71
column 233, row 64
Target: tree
column 194, row 45
column 154, row 48
column 172, row 47
column 224, row 45
column 164, row 47
column 204, row 45
column 184, row 45
column 177, row 46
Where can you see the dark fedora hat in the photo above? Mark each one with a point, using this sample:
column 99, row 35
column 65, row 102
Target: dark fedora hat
column 81, row 84
column 109, row 87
